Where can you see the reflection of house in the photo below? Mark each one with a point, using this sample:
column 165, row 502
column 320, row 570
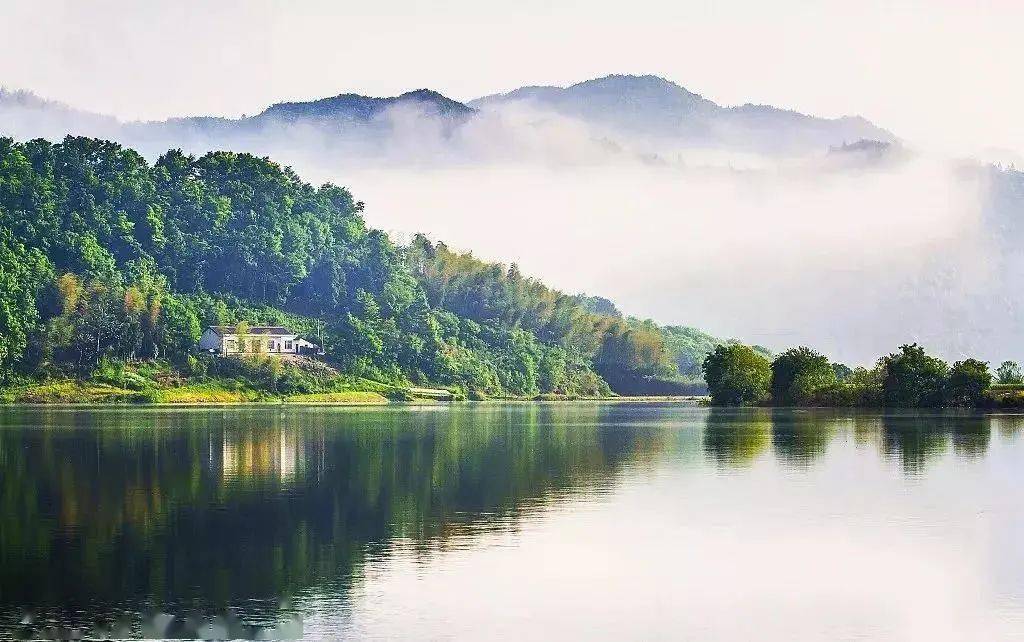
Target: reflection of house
column 222, row 339
column 262, row 454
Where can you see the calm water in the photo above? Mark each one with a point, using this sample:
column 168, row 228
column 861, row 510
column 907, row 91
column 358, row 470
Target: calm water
column 607, row 521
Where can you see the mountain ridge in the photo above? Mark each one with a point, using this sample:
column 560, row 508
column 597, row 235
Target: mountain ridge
column 657, row 107
column 629, row 106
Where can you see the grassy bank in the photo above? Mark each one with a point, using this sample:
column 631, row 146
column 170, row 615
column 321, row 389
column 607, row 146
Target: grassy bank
column 239, row 381
column 86, row 392
column 207, row 381
column 356, row 397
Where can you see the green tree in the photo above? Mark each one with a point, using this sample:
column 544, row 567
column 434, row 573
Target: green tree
column 913, row 378
column 968, row 381
column 842, row 371
column 798, row 374
column 1009, row 373
column 177, row 330
column 737, row 375
column 22, row 274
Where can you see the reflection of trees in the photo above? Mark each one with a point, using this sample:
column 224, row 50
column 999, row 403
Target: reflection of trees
column 799, row 437
column 206, row 509
column 735, row 437
column 971, row 435
column 914, row 438
column 1008, row 425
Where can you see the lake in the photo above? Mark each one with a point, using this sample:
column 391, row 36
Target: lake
column 516, row 521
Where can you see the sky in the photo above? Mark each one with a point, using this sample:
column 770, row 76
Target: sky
column 940, row 73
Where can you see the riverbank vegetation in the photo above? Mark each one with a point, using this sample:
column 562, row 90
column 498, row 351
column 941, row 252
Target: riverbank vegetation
column 907, row 378
column 106, row 259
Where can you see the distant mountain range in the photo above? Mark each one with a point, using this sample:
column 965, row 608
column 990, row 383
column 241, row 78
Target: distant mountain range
column 634, row 111
column 653, row 107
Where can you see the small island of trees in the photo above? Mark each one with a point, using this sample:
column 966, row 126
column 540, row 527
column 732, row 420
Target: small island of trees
column 908, row 378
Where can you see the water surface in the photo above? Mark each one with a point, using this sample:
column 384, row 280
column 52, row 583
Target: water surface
column 516, row 521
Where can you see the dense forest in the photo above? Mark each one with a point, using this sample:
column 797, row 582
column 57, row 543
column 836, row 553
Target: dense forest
column 106, row 260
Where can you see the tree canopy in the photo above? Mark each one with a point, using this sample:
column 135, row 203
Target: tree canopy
column 737, row 375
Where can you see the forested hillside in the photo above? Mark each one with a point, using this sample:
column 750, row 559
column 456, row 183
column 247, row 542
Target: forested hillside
column 106, row 257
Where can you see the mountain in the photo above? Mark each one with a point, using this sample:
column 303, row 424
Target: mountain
column 357, row 108
column 24, row 115
column 653, row 107
column 343, row 127
column 645, row 114
column 349, row 125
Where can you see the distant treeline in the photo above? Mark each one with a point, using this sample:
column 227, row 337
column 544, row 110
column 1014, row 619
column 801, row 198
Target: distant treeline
column 106, row 257
column 908, row 378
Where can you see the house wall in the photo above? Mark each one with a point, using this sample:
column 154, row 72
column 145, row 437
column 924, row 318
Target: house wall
column 263, row 343
column 270, row 344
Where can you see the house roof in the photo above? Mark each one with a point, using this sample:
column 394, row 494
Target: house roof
column 254, row 329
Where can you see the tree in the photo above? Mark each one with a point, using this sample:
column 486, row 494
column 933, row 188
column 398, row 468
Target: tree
column 737, row 375
column 968, row 381
column 842, row 371
column 242, row 336
column 1009, row 373
column 22, row 273
column 797, row 374
column 177, row 330
column 913, row 379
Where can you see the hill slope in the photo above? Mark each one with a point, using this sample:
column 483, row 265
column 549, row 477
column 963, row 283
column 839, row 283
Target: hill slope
column 106, row 258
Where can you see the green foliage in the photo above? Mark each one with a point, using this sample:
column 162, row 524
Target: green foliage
column 687, row 348
column 737, row 375
column 842, row 371
column 504, row 334
column 968, row 381
column 22, row 273
column 179, row 329
column 1009, row 372
column 913, row 379
column 798, row 375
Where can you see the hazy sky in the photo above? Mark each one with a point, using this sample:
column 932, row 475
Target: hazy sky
column 943, row 73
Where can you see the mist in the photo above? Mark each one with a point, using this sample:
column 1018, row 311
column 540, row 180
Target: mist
column 849, row 253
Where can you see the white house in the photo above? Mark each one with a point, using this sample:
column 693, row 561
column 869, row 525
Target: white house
column 258, row 339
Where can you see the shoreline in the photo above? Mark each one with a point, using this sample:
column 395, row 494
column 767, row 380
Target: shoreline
column 284, row 403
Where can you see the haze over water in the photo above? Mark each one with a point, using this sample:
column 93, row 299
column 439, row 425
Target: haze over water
column 530, row 521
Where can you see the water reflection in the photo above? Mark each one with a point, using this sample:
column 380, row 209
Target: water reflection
column 800, row 437
column 178, row 510
column 109, row 514
column 737, row 437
